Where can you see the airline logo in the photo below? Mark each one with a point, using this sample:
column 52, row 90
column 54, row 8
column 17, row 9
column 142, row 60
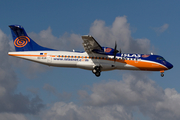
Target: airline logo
column 145, row 56
column 21, row 41
column 108, row 50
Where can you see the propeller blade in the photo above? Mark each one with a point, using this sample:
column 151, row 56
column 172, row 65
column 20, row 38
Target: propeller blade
column 115, row 51
column 115, row 46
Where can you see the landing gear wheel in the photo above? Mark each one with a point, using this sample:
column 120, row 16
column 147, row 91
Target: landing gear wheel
column 94, row 71
column 97, row 71
column 98, row 74
column 97, row 68
column 162, row 74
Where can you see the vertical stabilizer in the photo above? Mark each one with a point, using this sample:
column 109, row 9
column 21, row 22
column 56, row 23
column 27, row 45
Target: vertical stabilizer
column 24, row 43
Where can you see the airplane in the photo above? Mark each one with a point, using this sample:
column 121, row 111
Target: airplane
column 94, row 58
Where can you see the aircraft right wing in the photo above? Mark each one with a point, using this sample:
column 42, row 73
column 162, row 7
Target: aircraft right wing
column 90, row 44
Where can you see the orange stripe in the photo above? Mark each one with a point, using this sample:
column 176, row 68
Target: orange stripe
column 28, row 55
column 142, row 65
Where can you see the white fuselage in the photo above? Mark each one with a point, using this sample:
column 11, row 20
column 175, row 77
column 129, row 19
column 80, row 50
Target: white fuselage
column 73, row 59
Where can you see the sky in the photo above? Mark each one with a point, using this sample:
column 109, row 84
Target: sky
column 31, row 91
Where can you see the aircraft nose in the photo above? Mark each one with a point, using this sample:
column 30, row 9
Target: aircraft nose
column 169, row 65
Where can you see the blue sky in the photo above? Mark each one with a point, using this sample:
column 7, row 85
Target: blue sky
column 60, row 24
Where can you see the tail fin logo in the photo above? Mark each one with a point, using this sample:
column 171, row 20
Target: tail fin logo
column 21, row 41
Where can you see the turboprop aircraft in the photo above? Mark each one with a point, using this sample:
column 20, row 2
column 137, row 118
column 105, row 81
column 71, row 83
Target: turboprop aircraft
column 94, row 58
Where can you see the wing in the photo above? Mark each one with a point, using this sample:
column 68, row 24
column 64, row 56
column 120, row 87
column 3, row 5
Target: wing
column 90, row 44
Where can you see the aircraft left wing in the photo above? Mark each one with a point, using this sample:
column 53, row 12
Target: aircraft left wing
column 90, row 44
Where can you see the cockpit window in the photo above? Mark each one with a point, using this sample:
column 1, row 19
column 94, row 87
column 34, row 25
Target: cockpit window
column 160, row 58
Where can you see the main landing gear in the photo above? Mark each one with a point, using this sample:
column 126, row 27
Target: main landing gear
column 162, row 73
column 97, row 71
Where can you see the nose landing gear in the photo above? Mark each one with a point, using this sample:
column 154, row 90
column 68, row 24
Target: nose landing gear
column 162, row 73
column 97, row 71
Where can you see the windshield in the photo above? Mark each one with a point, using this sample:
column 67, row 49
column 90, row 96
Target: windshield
column 160, row 58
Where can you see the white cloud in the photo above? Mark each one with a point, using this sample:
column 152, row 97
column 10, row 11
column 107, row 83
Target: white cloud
column 65, row 42
column 105, row 35
column 137, row 91
column 161, row 29
column 120, row 32
column 70, row 111
column 114, row 100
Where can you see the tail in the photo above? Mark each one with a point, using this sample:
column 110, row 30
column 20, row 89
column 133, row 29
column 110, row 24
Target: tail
column 24, row 43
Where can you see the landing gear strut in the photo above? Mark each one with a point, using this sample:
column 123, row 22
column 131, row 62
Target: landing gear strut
column 97, row 71
column 162, row 73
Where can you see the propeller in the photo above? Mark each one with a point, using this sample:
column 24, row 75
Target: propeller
column 115, row 51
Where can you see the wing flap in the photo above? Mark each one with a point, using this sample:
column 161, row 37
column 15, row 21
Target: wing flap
column 90, row 44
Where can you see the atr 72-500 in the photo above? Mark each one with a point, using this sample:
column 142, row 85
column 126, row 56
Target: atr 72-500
column 94, row 58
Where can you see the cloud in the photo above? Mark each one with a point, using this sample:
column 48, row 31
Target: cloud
column 161, row 29
column 114, row 100
column 49, row 88
column 132, row 90
column 52, row 90
column 137, row 91
column 12, row 116
column 106, row 35
column 65, row 42
column 33, row 90
column 11, row 102
column 70, row 111
column 120, row 32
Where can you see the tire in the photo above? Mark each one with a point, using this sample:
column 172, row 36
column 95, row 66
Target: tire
column 97, row 68
column 97, row 74
column 94, row 71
